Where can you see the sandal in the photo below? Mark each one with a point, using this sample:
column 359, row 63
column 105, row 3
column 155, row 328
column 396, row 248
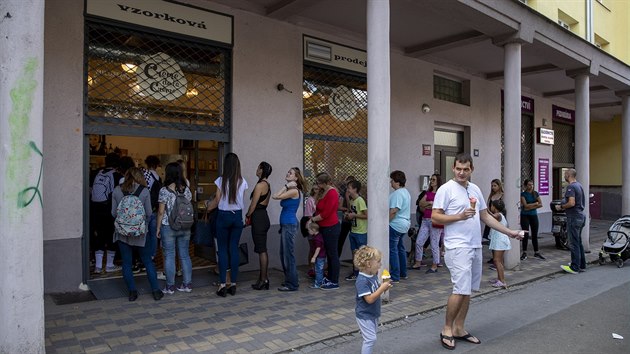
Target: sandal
column 448, row 338
column 468, row 338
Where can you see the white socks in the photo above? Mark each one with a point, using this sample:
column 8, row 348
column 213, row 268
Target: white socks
column 110, row 259
column 98, row 258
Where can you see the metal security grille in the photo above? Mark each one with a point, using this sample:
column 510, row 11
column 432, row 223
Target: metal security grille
column 138, row 79
column 335, row 124
column 564, row 144
column 527, row 147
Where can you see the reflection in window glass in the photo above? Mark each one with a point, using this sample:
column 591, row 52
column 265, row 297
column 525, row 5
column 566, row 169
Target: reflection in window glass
column 335, row 124
column 137, row 78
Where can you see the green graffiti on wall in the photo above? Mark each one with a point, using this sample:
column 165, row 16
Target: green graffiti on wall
column 19, row 164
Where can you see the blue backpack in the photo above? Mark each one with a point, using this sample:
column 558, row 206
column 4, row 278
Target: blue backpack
column 130, row 215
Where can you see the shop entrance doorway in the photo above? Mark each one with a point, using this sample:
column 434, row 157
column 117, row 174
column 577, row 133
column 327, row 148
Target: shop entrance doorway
column 448, row 143
column 201, row 163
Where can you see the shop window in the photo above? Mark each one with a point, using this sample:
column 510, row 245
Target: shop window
column 564, row 144
column 452, row 90
column 335, row 124
column 527, row 147
column 139, row 79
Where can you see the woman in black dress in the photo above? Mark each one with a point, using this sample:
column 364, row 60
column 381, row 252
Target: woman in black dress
column 259, row 220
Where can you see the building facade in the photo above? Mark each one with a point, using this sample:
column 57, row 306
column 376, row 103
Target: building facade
column 287, row 83
column 239, row 107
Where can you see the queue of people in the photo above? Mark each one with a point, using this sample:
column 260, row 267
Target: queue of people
column 326, row 208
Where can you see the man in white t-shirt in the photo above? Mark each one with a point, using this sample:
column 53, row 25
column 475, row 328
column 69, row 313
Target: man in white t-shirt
column 455, row 206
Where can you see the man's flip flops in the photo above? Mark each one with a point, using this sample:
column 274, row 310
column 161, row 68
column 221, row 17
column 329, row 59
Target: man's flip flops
column 468, row 338
column 448, row 338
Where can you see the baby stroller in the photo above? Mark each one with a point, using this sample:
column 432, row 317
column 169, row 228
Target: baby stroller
column 616, row 245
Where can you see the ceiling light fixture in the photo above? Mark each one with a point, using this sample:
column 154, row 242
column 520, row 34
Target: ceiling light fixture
column 129, row 68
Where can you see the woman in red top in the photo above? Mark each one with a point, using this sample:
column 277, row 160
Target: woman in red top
column 326, row 217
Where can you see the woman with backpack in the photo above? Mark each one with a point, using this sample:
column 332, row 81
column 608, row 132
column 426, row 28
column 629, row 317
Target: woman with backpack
column 229, row 199
column 131, row 209
column 178, row 234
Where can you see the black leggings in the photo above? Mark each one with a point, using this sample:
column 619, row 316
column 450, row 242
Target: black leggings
column 346, row 226
column 102, row 222
column 528, row 221
column 331, row 239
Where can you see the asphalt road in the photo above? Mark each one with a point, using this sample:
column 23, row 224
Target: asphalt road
column 563, row 314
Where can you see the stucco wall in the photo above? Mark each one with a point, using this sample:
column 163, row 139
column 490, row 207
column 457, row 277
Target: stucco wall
column 63, row 143
column 605, row 169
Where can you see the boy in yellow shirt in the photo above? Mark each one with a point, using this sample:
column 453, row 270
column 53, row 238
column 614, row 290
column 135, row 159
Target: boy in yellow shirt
column 357, row 215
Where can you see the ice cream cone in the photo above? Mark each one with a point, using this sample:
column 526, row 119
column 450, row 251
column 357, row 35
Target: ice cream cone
column 385, row 274
column 473, row 202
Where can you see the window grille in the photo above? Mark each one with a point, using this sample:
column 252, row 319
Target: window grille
column 335, row 124
column 138, row 79
column 527, row 147
column 449, row 90
column 564, row 144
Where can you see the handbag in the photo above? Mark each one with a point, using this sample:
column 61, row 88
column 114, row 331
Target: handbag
column 205, row 229
column 243, row 254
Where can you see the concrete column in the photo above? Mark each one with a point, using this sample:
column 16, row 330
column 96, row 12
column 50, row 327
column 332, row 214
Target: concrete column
column 21, row 232
column 512, row 149
column 625, row 155
column 378, row 125
column 582, row 145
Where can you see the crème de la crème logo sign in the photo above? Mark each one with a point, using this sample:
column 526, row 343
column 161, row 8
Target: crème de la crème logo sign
column 159, row 76
column 342, row 103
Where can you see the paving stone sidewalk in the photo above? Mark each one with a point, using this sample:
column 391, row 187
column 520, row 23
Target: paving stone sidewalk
column 263, row 321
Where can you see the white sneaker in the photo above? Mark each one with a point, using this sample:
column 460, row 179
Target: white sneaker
column 161, row 276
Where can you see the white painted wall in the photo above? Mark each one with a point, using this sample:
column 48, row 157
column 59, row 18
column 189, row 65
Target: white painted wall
column 63, row 120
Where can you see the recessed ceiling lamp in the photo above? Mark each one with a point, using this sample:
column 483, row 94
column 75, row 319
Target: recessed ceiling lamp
column 129, row 68
column 192, row 93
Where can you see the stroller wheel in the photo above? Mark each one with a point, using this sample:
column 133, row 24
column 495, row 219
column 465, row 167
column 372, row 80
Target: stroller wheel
column 619, row 262
column 602, row 260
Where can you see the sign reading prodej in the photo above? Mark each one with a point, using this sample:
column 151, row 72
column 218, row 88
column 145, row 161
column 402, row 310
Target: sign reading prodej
column 564, row 115
column 336, row 55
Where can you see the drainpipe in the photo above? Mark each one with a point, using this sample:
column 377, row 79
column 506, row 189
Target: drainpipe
column 589, row 21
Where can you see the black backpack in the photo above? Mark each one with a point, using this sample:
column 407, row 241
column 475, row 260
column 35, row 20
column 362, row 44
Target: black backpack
column 155, row 192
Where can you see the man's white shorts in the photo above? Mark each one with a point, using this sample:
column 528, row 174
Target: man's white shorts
column 464, row 264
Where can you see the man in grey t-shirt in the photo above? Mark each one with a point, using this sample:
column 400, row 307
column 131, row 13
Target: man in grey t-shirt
column 573, row 204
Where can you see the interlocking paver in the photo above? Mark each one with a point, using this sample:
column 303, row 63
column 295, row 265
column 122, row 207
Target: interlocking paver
column 266, row 321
